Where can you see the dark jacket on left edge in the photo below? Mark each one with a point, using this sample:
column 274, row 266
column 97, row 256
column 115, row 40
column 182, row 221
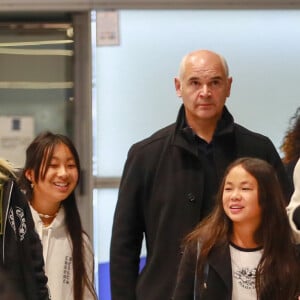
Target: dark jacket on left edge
column 21, row 250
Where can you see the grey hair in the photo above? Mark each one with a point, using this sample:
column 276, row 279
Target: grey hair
column 184, row 59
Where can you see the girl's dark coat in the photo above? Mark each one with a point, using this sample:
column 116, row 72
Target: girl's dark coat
column 21, row 249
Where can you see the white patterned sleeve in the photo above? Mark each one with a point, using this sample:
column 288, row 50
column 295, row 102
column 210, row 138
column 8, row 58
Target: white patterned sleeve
column 295, row 201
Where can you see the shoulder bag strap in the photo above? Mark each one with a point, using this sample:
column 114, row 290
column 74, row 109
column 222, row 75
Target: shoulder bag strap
column 205, row 275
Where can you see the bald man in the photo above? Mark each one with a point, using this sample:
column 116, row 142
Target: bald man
column 170, row 179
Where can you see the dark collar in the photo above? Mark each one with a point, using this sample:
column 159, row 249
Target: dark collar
column 224, row 126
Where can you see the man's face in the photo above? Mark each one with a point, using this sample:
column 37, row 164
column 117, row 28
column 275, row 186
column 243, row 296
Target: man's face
column 203, row 88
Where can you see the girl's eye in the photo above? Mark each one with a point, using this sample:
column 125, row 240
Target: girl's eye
column 53, row 165
column 246, row 189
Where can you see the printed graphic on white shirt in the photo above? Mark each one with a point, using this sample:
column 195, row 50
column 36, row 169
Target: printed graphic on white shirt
column 244, row 264
column 245, row 277
column 67, row 270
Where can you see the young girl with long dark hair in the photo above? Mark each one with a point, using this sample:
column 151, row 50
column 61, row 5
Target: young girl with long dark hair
column 49, row 178
column 244, row 249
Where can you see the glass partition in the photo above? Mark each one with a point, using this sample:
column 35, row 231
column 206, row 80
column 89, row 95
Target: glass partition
column 36, row 83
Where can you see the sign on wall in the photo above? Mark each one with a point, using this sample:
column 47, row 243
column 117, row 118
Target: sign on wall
column 107, row 28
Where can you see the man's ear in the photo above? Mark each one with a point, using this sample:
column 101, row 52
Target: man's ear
column 178, row 86
column 229, row 86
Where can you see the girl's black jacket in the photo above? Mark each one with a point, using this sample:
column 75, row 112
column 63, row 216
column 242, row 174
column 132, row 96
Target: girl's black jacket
column 20, row 247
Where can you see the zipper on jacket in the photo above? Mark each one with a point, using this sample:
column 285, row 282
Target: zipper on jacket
column 10, row 186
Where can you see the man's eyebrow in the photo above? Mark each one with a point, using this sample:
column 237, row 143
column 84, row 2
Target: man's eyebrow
column 217, row 78
column 199, row 79
column 193, row 78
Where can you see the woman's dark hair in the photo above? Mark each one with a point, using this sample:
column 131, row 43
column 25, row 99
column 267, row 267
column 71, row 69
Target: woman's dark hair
column 291, row 142
column 38, row 157
column 278, row 274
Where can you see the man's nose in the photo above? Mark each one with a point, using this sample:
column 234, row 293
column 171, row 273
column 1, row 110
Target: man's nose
column 205, row 91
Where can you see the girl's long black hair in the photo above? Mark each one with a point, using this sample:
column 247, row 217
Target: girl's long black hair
column 38, row 157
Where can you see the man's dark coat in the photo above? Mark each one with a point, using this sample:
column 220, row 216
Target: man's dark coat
column 161, row 198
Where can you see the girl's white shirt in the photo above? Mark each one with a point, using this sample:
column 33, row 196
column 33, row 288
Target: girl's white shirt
column 295, row 201
column 57, row 252
column 244, row 264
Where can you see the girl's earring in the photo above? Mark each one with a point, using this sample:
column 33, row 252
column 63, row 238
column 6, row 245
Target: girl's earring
column 32, row 185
